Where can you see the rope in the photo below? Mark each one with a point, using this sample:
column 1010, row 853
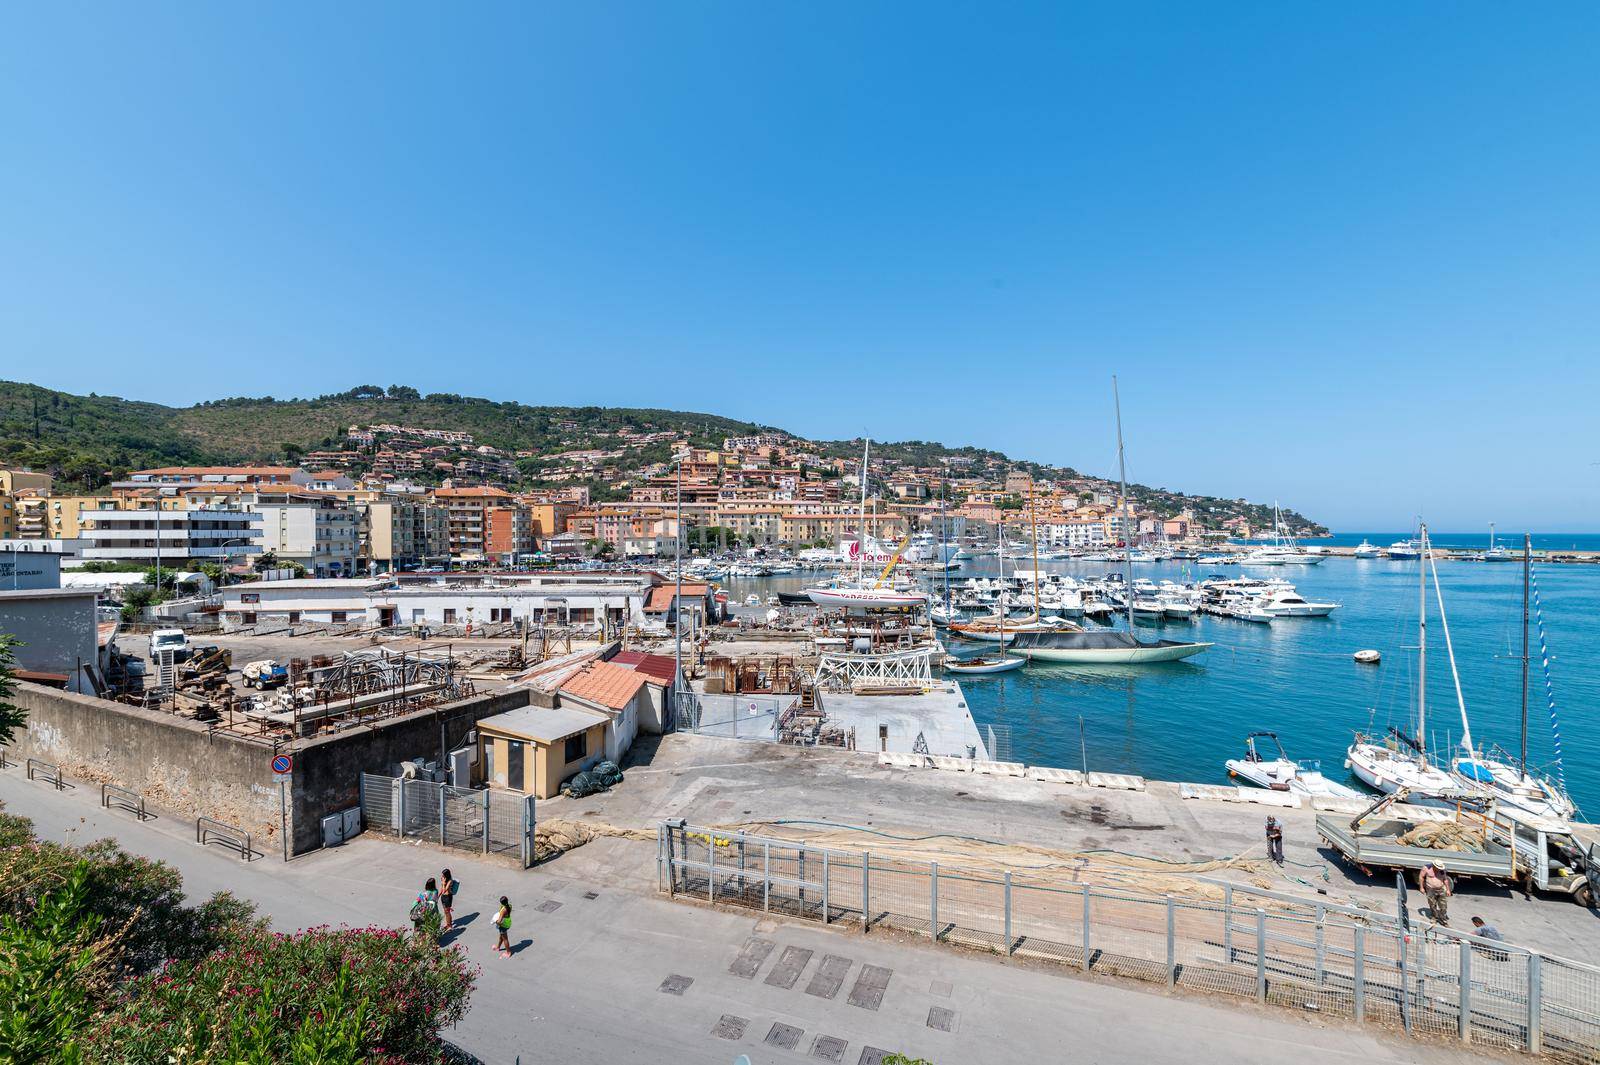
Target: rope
column 1549, row 686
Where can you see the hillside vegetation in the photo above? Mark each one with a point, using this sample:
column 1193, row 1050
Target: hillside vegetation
column 88, row 441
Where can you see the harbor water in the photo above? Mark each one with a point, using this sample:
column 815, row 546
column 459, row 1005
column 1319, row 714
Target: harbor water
column 1182, row 720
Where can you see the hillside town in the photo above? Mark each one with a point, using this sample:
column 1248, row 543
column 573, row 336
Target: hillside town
column 368, row 507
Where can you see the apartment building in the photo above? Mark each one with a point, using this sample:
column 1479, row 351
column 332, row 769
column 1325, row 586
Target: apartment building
column 320, row 536
column 393, row 534
column 151, row 536
column 509, row 534
column 8, row 517
column 14, row 481
column 468, row 513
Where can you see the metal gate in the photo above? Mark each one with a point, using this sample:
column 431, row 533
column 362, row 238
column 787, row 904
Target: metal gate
column 485, row 820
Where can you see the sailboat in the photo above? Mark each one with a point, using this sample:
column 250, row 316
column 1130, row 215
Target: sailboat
column 1116, row 647
column 998, row 628
column 1496, row 553
column 859, row 594
column 1282, row 551
column 1511, row 782
column 1399, row 761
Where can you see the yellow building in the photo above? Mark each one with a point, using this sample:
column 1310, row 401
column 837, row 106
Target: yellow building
column 63, row 514
column 14, row 481
column 534, row 749
column 8, row 516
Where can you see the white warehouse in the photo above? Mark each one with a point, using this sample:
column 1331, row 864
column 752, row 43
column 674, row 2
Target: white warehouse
column 580, row 599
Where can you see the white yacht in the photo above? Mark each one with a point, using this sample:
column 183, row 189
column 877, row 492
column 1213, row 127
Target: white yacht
column 1405, row 549
column 1366, row 549
column 1288, row 603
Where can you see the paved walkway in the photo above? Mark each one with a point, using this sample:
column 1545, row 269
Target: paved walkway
column 606, row 974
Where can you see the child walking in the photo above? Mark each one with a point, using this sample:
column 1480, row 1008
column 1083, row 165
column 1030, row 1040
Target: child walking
column 502, row 924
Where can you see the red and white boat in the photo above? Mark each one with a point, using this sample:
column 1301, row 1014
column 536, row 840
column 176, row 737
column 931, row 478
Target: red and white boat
column 874, row 598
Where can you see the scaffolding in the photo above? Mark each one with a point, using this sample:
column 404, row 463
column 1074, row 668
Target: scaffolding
column 893, row 671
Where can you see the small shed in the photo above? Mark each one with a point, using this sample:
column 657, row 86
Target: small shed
column 535, row 749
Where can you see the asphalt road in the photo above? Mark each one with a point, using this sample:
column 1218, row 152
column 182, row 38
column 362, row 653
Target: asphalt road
column 586, row 985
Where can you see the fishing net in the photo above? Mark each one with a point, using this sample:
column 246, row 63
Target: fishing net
column 1443, row 836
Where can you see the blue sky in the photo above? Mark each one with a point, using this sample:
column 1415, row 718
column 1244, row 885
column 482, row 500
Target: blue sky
column 1342, row 255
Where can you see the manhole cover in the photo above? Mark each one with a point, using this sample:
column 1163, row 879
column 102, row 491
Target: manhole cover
column 941, row 1019
column 828, row 1048
column 675, row 984
column 784, row 1035
column 591, row 895
column 730, row 1027
column 548, row 906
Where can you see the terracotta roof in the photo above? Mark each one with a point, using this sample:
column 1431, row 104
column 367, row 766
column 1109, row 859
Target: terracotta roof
column 605, row 685
column 660, row 599
column 471, row 492
column 659, row 668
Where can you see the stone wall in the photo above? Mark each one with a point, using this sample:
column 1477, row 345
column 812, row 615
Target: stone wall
column 180, row 767
column 327, row 769
column 170, row 760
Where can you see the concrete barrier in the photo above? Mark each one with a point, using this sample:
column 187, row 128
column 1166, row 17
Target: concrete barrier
column 1055, row 776
column 1000, row 769
column 903, row 761
column 950, row 762
column 1115, row 781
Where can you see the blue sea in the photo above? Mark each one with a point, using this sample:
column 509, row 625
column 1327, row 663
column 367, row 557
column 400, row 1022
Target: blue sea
column 1181, row 721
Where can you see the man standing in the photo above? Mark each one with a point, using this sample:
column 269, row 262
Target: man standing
column 1435, row 884
column 1274, row 840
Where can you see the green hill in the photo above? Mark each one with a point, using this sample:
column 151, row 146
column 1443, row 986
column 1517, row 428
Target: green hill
column 88, row 441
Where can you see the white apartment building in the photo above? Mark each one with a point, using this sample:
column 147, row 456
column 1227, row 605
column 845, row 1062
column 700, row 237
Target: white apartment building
column 321, row 537
column 170, row 537
column 1076, row 532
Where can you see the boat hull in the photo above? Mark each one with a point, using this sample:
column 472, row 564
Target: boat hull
column 1115, row 655
column 978, row 669
column 848, row 597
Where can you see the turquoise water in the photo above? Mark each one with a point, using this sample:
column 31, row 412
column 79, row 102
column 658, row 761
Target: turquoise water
column 1182, row 720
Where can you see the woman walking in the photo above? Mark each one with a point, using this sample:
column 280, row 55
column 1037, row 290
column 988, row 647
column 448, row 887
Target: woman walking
column 427, row 902
column 502, row 925
column 447, row 899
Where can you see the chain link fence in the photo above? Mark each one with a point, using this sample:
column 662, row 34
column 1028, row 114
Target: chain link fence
column 1338, row 961
column 487, row 821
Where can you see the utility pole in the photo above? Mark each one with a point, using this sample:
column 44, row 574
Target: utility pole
column 677, row 595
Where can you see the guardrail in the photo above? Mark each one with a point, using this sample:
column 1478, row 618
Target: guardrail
column 1286, row 950
column 210, row 830
column 48, row 772
column 123, row 798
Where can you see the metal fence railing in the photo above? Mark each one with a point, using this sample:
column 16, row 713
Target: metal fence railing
column 485, row 820
column 1338, row 961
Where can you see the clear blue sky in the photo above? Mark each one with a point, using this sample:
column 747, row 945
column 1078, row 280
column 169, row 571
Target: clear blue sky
column 1347, row 255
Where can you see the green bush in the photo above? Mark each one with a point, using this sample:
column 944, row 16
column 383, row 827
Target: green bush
column 350, row 994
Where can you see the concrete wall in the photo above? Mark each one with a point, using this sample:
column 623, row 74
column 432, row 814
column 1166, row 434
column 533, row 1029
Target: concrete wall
column 327, row 769
column 179, row 767
column 170, row 760
column 57, row 631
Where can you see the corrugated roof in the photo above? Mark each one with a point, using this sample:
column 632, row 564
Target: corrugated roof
column 661, row 596
column 605, row 685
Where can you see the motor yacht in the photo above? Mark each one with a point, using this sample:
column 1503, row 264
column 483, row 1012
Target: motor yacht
column 1281, row 773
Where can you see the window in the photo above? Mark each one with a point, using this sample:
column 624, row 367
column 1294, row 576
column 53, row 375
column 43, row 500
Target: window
column 577, row 747
column 338, row 617
column 294, row 617
column 449, row 615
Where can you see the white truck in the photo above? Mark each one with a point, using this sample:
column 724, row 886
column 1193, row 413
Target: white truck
column 173, row 640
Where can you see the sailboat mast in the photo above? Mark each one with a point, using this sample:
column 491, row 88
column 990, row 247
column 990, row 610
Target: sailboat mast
column 861, row 536
column 944, row 544
column 1527, row 568
column 1127, row 538
column 1422, row 650
column 1033, row 516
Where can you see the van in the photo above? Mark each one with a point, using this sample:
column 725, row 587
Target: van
column 172, row 640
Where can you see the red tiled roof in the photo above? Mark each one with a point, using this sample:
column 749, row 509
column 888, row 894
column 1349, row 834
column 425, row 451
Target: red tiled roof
column 658, row 668
column 605, row 685
column 660, row 600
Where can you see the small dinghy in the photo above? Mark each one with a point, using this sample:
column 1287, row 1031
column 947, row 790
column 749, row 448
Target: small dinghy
column 984, row 664
column 1368, row 657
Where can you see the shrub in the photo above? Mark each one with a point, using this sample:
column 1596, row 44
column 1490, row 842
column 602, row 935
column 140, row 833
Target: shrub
column 324, row 995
